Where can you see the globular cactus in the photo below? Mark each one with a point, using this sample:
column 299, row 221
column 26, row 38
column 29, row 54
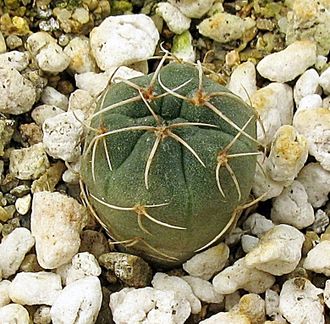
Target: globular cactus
column 169, row 160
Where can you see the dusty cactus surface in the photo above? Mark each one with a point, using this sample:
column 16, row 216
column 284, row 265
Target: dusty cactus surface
column 169, row 161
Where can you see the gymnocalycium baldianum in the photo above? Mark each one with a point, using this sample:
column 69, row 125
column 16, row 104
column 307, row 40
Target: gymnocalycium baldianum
column 169, row 162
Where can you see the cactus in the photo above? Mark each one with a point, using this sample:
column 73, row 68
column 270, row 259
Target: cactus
column 169, row 160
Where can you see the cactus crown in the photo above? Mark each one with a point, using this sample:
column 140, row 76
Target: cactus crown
column 168, row 160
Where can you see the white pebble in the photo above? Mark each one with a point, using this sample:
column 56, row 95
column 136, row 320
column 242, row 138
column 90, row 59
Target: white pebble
column 14, row 59
column 82, row 100
column 162, row 281
column 81, row 58
column 274, row 104
column 239, row 276
column 23, row 204
column 263, row 184
column 321, row 221
column 50, row 96
column 35, row 288
column 307, row 84
column 310, row 102
column 327, row 293
column 28, row 163
column 203, row 290
column 47, row 53
column 14, row 314
column 56, row 223
column 249, row 242
column 176, row 21
column 205, row 264
column 62, row 135
column 42, row 315
column 148, row 305
column 72, row 174
column 193, row 9
column 136, row 34
column 243, row 81
column 325, row 81
column 287, row 64
column 40, row 113
column 4, row 296
column 229, row 317
column 257, row 224
column 316, row 182
column 82, row 265
column 288, row 154
column 300, row 302
column 292, row 207
column 278, row 251
column 224, row 27
column 17, row 93
column 314, row 124
column 92, row 82
column 13, row 248
column 183, row 48
column 318, row 258
column 78, row 303
column 272, row 302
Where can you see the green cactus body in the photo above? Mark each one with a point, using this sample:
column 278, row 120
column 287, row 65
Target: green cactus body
column 169, row 160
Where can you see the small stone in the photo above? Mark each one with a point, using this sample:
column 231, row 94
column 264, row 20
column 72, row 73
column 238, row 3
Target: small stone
column 307, row 84
column 16, row 92
column 288, row 154
column 272, row 302
column 50, row 96
column 253, row 307
column 229, row 317
column 31, row 133
column 326, row 102
column 81, row 59
column 183, row 47
column 287, row 64
column 6, row 132
column 42, row 315
column 131, row 269
column 176, row 21
column 325, row 81
column 3, row 46
column 263, row 185
column 257, row 224
column 231, row 300
column 79, row 302
column 274, row 104
column 243, row 81
column 300, row 302
column 14, row 313
column 81, row 15
column 42, row 112
column 72, row 174
column 249, row 242
column 13, row 248
column 318, row 258
column 34, row 288
column 28, row 163
column 224, row 27
column 82, row 100
column 193, row 9
column 105, row 38
column 205, row 264
column 30, row 264
column 203, row 290
column 316, row 182
column 94, row 242
column 314, row 124
column 62, row 135
column 148, row 305
column 310, row 102
column 56, row 223
column 292, row 207
column 13, row 42
column 82, row 265
column 164, row 282
column 239, row 276
column 327, row 293
column 92, row 82
column 278, row 251
column 321, row 221
column 23, row 204
column 4, row 296
column 15, row 59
